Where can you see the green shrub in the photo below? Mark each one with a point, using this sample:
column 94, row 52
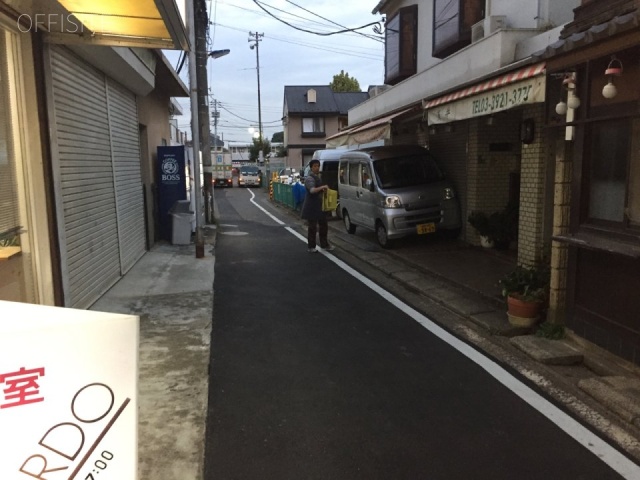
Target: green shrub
column 526, row 283
column 552, row 331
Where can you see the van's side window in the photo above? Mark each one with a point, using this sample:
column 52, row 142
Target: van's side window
column 354, row 173
column 344, row 172
column 366, row 176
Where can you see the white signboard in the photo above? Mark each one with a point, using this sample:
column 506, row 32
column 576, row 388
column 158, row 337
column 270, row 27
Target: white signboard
column 514, row 95
column 68, row 394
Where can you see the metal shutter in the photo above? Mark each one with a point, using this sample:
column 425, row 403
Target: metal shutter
column 94, row 141
column 125, row 140
column 9, row 213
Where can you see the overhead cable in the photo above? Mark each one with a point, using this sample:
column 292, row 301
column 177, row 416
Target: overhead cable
column 322, row 34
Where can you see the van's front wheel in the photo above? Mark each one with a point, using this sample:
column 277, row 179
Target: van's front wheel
column 350, row 227
column 382, row 237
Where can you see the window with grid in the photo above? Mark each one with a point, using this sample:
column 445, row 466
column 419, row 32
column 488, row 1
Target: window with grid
column 452, row 22
column 401, row 43
column 313, row 126
column 610, row 192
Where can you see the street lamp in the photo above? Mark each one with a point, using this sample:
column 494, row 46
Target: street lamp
column 219, row 53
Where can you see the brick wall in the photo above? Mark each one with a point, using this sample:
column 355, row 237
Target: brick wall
column 561, row 219
column 494, row 154
column 532, row 191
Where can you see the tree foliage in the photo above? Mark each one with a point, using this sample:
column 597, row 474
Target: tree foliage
column 254, row 149
column 277, row 137
column 281, row 151
column 344, row 83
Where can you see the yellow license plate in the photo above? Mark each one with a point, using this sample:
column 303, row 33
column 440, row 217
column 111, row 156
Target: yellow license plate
column 426, row 228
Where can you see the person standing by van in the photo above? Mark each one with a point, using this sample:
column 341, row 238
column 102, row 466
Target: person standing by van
column 312, row 209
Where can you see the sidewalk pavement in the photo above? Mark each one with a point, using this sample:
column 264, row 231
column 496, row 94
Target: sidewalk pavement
column 172, row 292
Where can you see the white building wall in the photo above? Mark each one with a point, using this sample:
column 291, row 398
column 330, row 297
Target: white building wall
column 520, row 14
column 528, row 24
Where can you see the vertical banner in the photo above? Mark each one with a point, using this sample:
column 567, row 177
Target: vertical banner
column 68, row 393
column 172, row 184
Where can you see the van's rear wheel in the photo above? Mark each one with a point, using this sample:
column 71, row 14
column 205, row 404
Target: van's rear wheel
column 382, row 237
column 350, row 227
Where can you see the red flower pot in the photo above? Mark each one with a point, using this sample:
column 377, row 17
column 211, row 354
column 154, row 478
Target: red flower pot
column 522, row 308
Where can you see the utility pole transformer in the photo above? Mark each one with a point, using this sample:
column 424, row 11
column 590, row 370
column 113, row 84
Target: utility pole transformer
column 201, row 27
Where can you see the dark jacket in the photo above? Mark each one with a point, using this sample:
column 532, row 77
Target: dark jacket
column 312, row 207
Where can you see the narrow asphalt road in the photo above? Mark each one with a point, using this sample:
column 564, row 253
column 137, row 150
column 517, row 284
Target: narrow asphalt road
column 314, row 375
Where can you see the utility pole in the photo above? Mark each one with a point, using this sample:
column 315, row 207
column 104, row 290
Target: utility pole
column 195, row 136
column 257, row 38
column 201, row 27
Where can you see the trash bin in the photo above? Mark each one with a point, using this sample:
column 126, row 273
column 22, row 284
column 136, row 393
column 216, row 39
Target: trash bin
column 181, row 218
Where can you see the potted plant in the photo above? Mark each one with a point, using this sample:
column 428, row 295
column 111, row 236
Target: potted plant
column 480, row 222
column 525, row 289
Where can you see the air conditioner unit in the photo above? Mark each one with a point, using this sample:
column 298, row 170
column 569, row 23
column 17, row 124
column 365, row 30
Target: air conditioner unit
column 376, row 90
column 477, row 31
column 493, row 23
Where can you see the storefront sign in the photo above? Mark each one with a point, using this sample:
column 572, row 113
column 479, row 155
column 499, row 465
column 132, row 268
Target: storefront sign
column 68, row 394
column 517, row 94
column 172, row 184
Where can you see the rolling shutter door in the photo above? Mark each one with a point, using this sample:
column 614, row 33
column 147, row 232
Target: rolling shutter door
column 92, row 156
column 123, row 119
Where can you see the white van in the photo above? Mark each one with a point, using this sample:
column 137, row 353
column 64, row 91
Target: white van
column 396, row 191
column 329, row 160
column 249, row 176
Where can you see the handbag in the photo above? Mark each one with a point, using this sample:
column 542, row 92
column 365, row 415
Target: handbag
column 329, row 200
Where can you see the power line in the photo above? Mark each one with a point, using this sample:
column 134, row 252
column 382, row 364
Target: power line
column 372, row 37
column 322, row 34
column 315, row 47
column 241, row 118
column 262, row 14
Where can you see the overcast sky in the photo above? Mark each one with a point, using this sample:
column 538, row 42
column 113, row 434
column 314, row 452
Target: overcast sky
column 287, row 56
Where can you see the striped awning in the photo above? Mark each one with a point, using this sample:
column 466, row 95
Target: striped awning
column 497, row 82
column 376, row 129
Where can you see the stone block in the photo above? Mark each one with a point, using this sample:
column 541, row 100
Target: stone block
column 550, row 352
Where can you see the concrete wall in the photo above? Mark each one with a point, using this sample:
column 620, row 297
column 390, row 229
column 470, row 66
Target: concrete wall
column 527, row 31
column 153, row 116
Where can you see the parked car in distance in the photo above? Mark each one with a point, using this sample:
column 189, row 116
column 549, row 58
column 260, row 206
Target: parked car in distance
column 288, row 175
column 249, row 176
column 396, row 191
